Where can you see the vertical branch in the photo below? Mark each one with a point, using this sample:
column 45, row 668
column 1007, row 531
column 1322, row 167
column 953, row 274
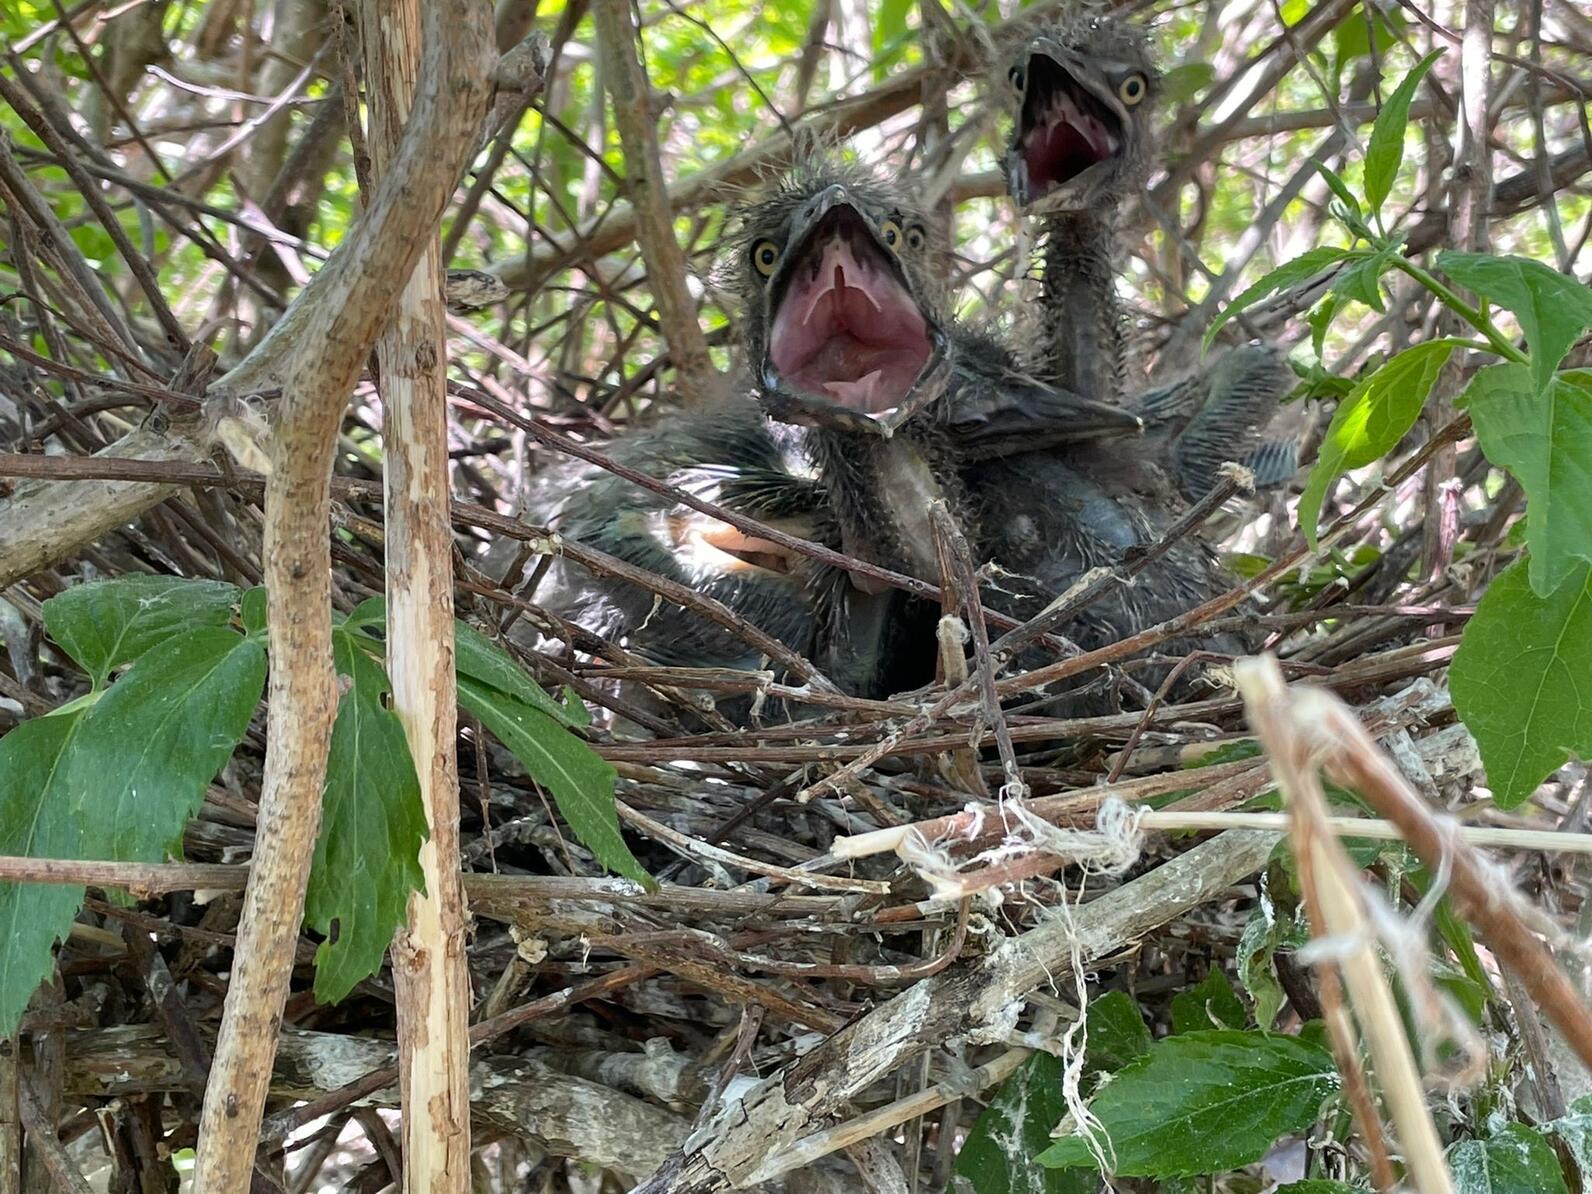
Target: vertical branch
column 1327, row 880
column 339, row 315
column 1472, row 191
column 428, row 962
column 619, row 44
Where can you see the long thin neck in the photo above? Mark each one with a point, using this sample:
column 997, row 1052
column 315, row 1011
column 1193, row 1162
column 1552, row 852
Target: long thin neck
column 1084, row 341
column 879, row 493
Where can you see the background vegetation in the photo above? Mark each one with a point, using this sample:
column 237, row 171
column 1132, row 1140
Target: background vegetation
column 172, row 175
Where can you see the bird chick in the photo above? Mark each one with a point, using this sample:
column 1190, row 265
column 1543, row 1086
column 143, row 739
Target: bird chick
column 1083, row 95
column 846, row 331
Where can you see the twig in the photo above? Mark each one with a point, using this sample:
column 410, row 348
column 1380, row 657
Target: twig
column 1336, row 912
column 46, row 1142
column 1340, row 743
column 622, row 71
column 957, row 560
column 741, row 1141
column 332, row 337
column 811, row 1149
column 693, row 848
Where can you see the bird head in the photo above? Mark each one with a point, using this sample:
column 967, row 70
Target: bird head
column 1083, row 95
column 842, row 325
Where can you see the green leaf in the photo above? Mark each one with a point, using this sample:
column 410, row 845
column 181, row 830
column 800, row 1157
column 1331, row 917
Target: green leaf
column 581, row 781
column 367, row 858
column 1574, row 1127
column 1117, row 1033
column 1345, row 196
column 1320, row 319
column 253, row 610
column 1386, row 150
column 1371, row 420
column 1553, row 308
column 117, row 782
column 1212, row 1004
column 1205, row 1102
column 1543, row 437
column 1352, row 37
column 140, row 763
column 1302, row 268
column 1515, row 1160
column 890, row 22
column 33, row 916
column 1362, row 281
column 1015, row 1127
column 1263, row 936
column 1319, row 1186
column 1184, row 81
column 1518, row 680
column 105, row 624
column 479, row 658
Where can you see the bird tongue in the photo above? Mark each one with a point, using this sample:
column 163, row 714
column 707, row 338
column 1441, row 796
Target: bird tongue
column 847, row 331
column 1065, row 142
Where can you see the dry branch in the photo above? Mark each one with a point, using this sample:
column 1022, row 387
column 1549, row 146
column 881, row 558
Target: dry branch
column 430, row 978
column 1327, row 881
column 350, row 304
column 566, row 1115
column 741, row 1144
column 618, row 44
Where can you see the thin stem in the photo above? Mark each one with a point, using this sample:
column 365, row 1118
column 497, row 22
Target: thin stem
column 1474, row 316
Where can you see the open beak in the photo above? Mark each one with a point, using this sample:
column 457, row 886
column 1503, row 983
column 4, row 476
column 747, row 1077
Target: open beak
column 1070, row 130
column 849, row 345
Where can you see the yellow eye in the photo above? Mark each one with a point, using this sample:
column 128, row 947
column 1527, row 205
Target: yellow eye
column 890, row 233
column 1132, row 90
column 916, row 237
column 765, row 256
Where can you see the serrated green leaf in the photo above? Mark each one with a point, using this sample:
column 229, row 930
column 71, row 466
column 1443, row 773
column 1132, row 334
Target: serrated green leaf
column 1212, row 1004
column 1386, row 151
column 367, row 857
column 117, row 781
column 1514, row 1160
column 1553, row 308
column 1371, row 421
column 145, row 752
column 1307, row 265
column 477, row 657
column 1543, row 437
column 1205, row 1102
column 1015, row 1127
column 1518, row 680
column 104, row 624
column 1362, row 281
column 1117, row 1032
column 581, row 781
column 1345, row 196
column 484, row 661
column 1319, row 1186
column 33, row 916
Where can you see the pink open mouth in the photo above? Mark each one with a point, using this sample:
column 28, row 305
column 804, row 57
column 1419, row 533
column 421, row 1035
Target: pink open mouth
column 846, row 329
column 1064, row 130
